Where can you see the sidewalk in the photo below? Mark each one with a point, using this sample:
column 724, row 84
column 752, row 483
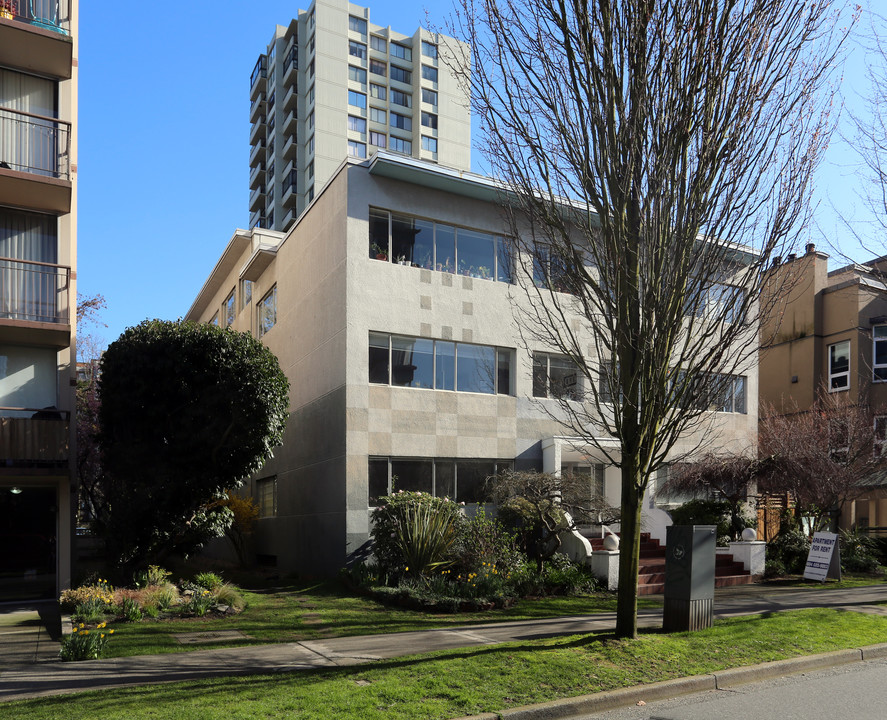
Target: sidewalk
column 48, row 676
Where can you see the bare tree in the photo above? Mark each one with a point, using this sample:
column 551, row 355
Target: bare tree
column 656, row 153
column 820, row 455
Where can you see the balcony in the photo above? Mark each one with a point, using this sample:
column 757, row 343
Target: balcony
column 35, row 302
column 34, row 161
column 258, row 80
column 291, row 66
column 291, row 97
column 257, row 108
column 257, row 131
column 291, row 122
column 37, row 38
column 257, row 220
column 32, row 437
column 257, row 154
column 290, row 196
column 257, row 199
column 289, row 147
column 288, row 219
column 255, row 176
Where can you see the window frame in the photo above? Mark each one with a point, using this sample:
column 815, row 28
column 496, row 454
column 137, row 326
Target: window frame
column 876, row 366
column 230, row 308
column 836, row 376
column 438, row 466
column 266, row 309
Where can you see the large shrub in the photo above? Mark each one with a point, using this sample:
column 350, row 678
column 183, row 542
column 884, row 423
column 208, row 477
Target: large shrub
column 858, row 552
column 485, row 542
column 787, row 552
column 712, row 512
column 415, row 533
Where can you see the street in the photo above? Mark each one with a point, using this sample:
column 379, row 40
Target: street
column 855, row 690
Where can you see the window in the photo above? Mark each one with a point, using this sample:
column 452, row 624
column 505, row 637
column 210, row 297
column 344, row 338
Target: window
column 310, row 121
column 267, row 311
column 377, row 67
column 460, row 480
column 378, row 139
column 555, row 376
column 726, row 393
column 549, row 269
column 309, row 171
column 356, row 99
column 429, row 96
column 429, row 144
column 311, row 95
column 295, row 54
column 311, row 69
column 311, row 145
column 356, row 49
column 401, row 75
column 435, row 246
column 378, row 91
column 246, row 293
column 378, row 115
column 358, row 25
column 229, row 310
column 429, row 73
column 879, row 353
column 839, row 366
column 378, row 43
column 357, row 74
column 400, row 145
column 401, row 98
column 429, row 120
column 357, row 124
column 429, row 50
column 403, row 122
column 357, row 149
column 401, row 51
column 215, row 319
column 266, row 497
column 439, row 364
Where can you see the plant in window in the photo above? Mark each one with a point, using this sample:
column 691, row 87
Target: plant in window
column 378, row 252
column 484, row 272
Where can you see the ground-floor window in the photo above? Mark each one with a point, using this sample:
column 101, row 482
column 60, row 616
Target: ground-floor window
column 461, row 480
column 266, row 497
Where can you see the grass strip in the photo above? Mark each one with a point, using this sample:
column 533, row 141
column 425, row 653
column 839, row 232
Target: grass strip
column 452, row 683
column 310, row 611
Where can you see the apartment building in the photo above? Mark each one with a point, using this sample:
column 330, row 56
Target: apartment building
column 389, row 304
column 38, row 226
column 332, row 84
column 829, row 335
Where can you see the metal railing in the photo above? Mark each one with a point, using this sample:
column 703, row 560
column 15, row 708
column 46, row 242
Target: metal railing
column 31, row 435
column 34, row 143
column 35, row 291
column 260, row 70
column 53, row 15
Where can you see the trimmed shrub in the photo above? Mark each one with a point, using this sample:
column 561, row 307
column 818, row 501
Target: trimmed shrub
column 208, row 580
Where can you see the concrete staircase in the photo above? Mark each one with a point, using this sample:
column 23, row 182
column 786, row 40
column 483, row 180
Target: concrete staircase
column 651, row 569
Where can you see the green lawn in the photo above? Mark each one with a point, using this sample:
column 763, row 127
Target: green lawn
column 453, row 683
column 307, row 611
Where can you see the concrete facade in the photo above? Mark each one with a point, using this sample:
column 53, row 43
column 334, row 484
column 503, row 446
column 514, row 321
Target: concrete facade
column 819, row 313
column 332, row 84
column 335, row 299
column 38, row 271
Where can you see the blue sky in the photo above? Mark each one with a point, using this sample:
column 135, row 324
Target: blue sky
column 163, row 156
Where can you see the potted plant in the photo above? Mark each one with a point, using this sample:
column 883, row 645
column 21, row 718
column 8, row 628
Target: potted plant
column 7, row 9
column 375, row 250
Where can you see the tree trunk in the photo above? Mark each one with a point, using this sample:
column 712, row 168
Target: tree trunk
column 629, row 547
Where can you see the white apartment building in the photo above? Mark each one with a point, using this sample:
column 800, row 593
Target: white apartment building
column 331, row 85
column 38, row 254
column 390, row 305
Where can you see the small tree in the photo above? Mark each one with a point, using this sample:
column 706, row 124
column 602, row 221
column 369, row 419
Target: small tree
column 541, row 506
column 244, row 513
column 187, row 410
column 819, row 455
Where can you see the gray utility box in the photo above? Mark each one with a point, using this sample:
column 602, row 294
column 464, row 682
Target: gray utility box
column 689, row 577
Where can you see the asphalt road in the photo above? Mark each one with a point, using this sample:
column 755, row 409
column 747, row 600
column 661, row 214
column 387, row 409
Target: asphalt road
column 856, row 691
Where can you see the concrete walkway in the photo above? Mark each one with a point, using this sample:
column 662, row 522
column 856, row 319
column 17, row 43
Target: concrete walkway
column 34, row 671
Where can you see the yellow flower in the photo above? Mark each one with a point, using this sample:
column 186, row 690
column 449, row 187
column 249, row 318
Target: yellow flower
column 81, row 626
column 406, row 569
column 103, row 635
column 86, row 632
column 110, row 632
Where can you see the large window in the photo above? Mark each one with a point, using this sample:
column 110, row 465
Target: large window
column 358, row 25
column 429, row 73
column 400, row 145
column 879, row 353
column 357, row 124
column 379, row 44
column 839, row 366
column 549, row 269
column 401, row 122
column 378, row 115
column 429, row 50
column 266, row 497
column 377, row 67
column 31, row 140
column 401, row 74
column 378, row 139
column 267, row 311
column 429, row 144
column 357, row 149
column 357, row 74
column 380, row 92
column 459, row 480
column 439, row 364
column 401, row 51
column 229, row 310
column 429, row 96
column 429, row 120
column 356, row 49
column 401, row 98
column 356, row 99
column 555, row 376
column 29, row 289
column 246, row 293
column 437, row 246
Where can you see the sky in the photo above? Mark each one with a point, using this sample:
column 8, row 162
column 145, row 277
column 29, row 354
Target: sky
column 163, row 145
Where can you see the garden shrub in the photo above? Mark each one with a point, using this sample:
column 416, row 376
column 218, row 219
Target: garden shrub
column 485, row 541
column 227, row 594
column 208, row 580
column 100, row 591
column 85, row 644
column 90, row 611
column 130, row 610
column 154, row 575
column 162, row 596
column 790, row 549
column 415, row 533
column 858, row 552
column 199, row 602
column 704, row 512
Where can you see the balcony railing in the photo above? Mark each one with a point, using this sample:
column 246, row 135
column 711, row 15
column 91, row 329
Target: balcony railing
column 53, row 15
column 34, row 144
column 34, row 291
column 259, row 71
column 29, row 435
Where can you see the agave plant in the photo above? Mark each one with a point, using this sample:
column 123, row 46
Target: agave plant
column 426, row 537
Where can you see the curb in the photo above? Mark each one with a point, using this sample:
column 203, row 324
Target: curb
column 622, row 697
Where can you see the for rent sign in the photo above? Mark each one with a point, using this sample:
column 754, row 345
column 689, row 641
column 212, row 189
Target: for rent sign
column 824, row 558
